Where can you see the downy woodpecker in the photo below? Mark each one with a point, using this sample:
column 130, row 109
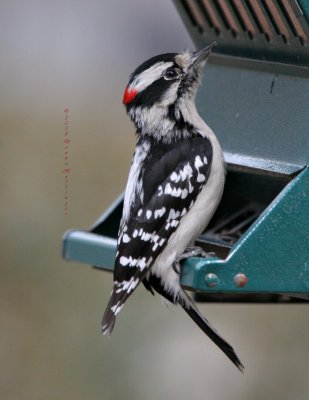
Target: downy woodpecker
column 174, row 186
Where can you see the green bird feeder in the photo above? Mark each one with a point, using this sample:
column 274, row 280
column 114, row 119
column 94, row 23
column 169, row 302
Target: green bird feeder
column 255, row 96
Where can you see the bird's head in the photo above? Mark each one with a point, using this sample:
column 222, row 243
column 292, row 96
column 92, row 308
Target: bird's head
column 162, row 85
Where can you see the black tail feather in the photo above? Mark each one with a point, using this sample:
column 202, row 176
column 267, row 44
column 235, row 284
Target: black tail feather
column 108, row 323
column 206, row 327
column 109, row 317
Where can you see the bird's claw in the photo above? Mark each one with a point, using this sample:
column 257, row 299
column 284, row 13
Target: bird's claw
column 177, row 267
column 194, row 251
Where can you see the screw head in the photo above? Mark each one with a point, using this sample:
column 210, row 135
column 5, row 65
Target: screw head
column 240, row 280
column 211, row 280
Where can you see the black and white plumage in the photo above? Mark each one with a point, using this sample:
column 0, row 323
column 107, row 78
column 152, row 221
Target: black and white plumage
column 174, row 186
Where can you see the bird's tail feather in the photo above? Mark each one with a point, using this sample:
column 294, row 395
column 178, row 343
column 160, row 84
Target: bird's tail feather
column 109, row 317
column 191, row 309
column 108, row 323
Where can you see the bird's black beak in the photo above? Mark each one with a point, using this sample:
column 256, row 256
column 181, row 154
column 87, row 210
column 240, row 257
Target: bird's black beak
column 201, row 55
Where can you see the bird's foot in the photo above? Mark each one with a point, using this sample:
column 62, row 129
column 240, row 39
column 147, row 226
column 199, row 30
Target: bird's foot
column 193, row 251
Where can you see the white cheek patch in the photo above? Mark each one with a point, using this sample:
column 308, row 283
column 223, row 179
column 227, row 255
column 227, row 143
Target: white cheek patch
column 147, row 77
column 171, row 94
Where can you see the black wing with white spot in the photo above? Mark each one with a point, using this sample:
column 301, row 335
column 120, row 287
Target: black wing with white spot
column 171, row 177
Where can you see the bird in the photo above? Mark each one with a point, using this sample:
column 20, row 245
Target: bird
column 174, row 186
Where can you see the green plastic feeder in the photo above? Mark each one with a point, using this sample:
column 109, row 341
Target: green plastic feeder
column 255, row 96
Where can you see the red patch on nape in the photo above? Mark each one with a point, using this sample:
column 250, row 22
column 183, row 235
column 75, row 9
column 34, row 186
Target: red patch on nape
column 129, row 95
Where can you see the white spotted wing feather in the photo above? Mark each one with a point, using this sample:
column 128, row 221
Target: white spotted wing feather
column 156, row 200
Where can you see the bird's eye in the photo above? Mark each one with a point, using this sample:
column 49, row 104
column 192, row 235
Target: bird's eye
column 171, row 73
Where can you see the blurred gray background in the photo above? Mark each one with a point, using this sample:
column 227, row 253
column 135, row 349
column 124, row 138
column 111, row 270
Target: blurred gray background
column 79, row 55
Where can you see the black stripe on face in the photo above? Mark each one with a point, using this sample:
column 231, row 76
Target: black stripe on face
column 153, row 93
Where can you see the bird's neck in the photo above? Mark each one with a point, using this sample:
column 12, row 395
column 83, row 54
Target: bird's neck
column 178, row 121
